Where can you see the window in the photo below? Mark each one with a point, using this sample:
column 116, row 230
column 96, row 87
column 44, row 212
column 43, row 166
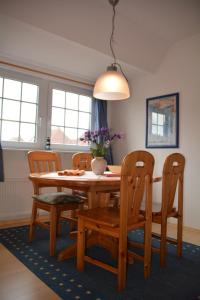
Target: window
column 33, row 108
column 18, row 110
column 158, row 121
column 70, row 117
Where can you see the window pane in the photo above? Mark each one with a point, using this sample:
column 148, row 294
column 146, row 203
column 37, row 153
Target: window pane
column 72, row 101
column 160, row 130
column 28, row 112
column 160, row 119
column 70, row 136
column 84, row 120
column 154, row 118
column 57, row 135
column 11, row 110
column 12, row 89
column 84, row 103
column 57, row 116
column 58, row 98
column 10, row 131
column 71, row 118
column 154, row 129
column 81, row 134
column 1, row 86
column 29, row 92
column 27, row 132
column 0, row 106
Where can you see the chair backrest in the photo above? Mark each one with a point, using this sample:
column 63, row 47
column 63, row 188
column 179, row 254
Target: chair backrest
column 172, row 178
column 44, row 161
column 82, row 161
column 136, row 184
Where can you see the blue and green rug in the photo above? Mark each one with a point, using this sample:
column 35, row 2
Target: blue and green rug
column 180, row 279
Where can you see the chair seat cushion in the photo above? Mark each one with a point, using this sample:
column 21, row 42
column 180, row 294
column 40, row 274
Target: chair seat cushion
column 57, row 198
column 80, row 194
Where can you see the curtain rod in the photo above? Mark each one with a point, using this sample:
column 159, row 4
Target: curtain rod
column 45, row 73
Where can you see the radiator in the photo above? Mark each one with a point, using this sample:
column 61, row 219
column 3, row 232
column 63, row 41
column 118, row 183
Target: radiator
column 15, row 198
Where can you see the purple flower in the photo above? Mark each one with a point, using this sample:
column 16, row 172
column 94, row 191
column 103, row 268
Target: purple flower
column 101, row 138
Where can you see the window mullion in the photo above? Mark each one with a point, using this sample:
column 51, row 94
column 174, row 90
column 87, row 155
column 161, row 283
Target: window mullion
column 20, row 111
column 2, row 107
column 77, row 127
column 65, row 110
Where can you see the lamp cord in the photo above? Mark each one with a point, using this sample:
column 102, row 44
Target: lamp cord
column 114, row 3
column 112, row 34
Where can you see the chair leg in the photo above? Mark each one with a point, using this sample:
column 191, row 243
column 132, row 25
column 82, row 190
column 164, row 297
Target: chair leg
column 163, row 243
column 122, row 257
column 179, row 235
column 147, row 250
column 73, row 225
column 32, row 223
column 58, row 225
column 53, row 228
column 80, row 245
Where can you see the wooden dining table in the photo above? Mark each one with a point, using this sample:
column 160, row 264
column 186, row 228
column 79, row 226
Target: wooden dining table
column 98, row 188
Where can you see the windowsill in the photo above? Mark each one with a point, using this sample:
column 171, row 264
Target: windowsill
column 42, row 149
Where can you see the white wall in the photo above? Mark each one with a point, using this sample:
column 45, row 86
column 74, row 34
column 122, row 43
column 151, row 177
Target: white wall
column 179, row 72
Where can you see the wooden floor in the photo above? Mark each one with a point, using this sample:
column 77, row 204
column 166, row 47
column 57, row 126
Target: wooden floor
column 190, row 235
column 17, row 282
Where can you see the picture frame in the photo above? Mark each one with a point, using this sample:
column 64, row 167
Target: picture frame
column 162, row 121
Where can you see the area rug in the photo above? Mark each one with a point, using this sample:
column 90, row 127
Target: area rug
column 180, row 279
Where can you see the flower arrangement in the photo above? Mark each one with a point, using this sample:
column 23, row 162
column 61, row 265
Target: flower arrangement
column 100, row 140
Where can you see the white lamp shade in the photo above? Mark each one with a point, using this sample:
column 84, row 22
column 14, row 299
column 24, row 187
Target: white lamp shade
column 111, row 85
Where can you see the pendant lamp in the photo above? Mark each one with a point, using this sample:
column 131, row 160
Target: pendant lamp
column 113, row 84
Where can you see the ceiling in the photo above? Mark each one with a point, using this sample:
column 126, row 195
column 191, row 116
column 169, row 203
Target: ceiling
column 145, row 29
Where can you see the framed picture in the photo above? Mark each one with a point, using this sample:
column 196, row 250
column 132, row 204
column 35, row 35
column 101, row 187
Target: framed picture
column 162, row 121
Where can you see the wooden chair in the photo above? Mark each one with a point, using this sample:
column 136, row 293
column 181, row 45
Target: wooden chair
column 55, row 203
column 136, row 182
column 82, row 161
column 172, row 182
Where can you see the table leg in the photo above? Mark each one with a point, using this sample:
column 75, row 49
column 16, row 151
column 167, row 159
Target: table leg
column 68, row 252
column 71, row 250
column 93, row 199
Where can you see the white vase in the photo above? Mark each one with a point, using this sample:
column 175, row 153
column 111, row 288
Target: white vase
column 98, row 165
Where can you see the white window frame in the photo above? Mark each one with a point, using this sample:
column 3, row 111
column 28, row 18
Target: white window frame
column 40, row 130
column 43, row 125
column 72, row 89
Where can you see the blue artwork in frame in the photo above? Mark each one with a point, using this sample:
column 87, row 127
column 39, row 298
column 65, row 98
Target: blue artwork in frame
column 162, row 121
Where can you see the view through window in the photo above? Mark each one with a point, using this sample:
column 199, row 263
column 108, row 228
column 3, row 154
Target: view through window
column 70, row 117
column 18, row 110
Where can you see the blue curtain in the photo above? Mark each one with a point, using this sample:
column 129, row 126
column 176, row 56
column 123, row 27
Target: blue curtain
column 1, row 165
column 99, row 120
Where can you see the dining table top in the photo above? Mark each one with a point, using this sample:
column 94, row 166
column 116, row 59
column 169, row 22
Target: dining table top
column 86, row 181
